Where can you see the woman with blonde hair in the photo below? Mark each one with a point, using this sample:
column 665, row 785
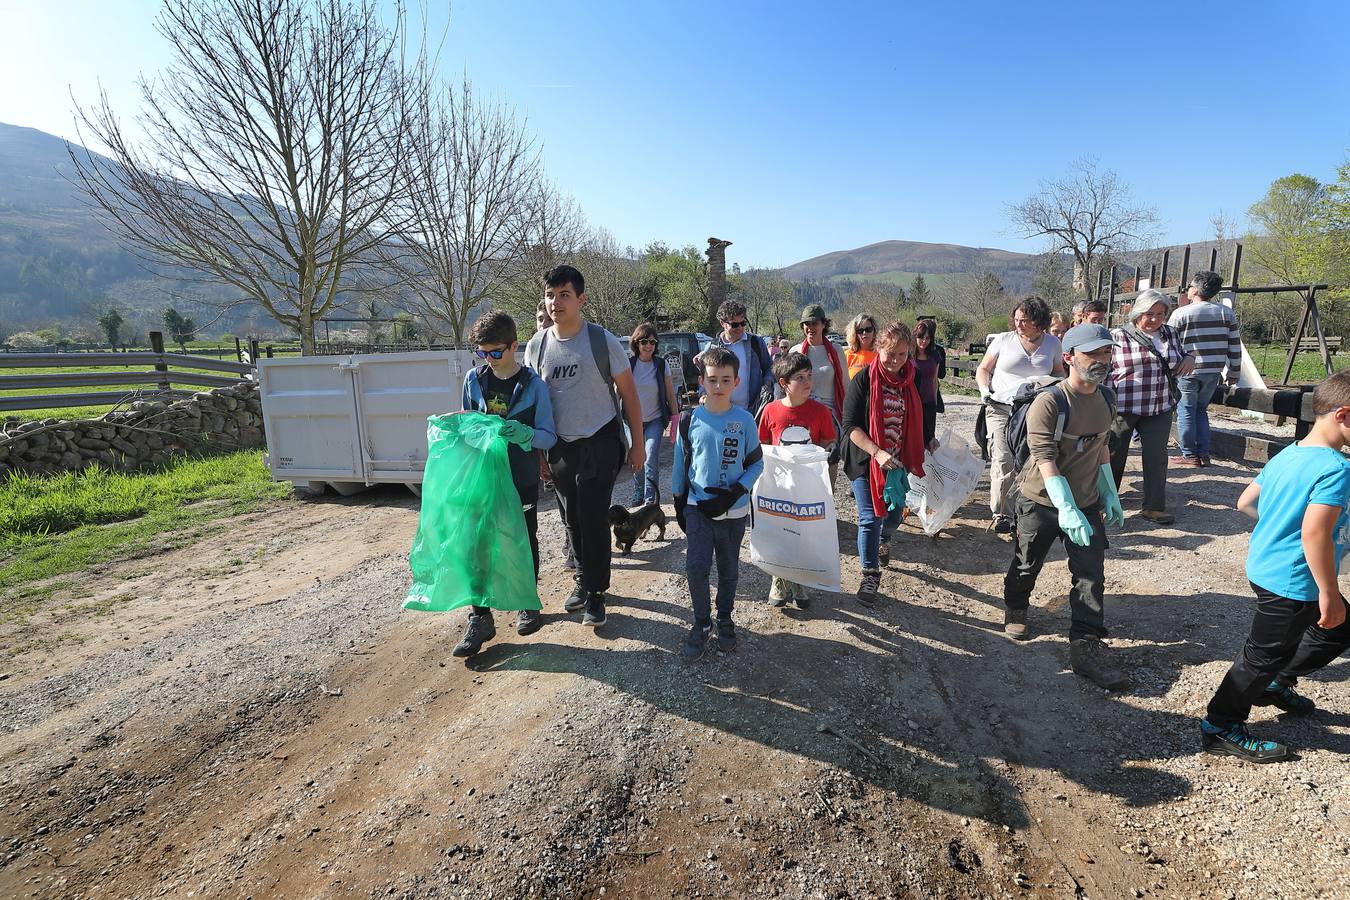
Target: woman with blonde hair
column 861, row 336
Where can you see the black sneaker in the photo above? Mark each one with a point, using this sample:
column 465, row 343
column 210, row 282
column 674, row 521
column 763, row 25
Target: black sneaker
column 1236, row 741
column 1003, row 525
column 1286, row 698
column 480, row 630
column 867, row 591
column 528, row 621
column 595, row 610
column 577, row 601
column 726, row 635
column 696, row 642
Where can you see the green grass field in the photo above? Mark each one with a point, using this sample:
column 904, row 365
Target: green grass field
column 54, row 527
column 1307, row 366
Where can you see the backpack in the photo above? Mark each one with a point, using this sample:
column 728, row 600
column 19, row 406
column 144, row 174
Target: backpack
column 599, row 352
column 1016, row 430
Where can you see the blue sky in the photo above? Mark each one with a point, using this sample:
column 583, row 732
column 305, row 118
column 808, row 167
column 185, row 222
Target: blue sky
column 796, row 129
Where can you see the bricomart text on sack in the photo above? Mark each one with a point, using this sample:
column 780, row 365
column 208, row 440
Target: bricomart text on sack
column 789, row 509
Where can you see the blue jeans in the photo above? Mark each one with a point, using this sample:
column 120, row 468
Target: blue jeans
column 871, row 527
column 704, row 536
column 1192, row 413
column 651, row 471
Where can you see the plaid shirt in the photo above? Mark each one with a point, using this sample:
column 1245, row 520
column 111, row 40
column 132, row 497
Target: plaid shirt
column 1137, row 375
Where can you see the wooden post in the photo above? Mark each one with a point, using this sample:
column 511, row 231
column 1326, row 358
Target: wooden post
column 161, row 367
column 1237, row 266
column 1152, row 276
column 1167, row 255
column 238, row 350
column 1293, row 345
column 1214, row 259
column 1185, row 273
column 253, row 352
column 1317, row 326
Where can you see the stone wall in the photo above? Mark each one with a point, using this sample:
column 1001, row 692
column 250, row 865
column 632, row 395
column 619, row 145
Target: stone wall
column 147, row 433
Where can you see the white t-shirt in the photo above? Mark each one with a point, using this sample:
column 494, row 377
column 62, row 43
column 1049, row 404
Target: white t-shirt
column 648, row 391
column 822, row 375
column 1015, row 365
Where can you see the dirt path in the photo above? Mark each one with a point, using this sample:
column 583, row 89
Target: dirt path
column 194, row 742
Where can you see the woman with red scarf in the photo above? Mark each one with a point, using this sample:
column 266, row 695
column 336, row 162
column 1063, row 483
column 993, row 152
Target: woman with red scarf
column 883, row 418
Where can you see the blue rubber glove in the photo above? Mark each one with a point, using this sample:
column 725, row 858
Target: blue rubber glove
column 897, row 486
column 1071, row 519
column 518, row 433
column 1106, row 486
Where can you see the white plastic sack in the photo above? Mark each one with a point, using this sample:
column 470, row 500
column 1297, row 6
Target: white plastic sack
column 794, row 534
column 948, row 481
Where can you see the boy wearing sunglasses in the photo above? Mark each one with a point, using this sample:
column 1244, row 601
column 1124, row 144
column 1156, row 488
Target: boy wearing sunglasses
column 503, row 387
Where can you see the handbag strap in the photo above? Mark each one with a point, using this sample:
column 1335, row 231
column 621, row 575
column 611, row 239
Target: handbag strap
column 1147, row 343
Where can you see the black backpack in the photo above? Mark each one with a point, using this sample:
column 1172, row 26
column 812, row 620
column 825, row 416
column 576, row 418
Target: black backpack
column 1016, row 431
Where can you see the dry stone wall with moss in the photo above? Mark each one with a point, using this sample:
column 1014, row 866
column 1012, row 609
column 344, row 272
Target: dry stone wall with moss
column 147, row 433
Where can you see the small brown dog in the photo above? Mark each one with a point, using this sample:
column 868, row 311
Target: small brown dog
column 630, row 524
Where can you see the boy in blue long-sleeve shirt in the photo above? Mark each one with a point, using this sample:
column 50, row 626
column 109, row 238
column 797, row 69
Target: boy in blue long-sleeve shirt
column 503, row 387
column 717, row 460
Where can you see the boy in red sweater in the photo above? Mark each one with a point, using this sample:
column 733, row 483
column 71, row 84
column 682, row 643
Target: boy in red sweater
column 796, row 409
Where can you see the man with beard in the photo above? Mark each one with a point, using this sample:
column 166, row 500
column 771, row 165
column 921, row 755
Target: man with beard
column 1067, row 489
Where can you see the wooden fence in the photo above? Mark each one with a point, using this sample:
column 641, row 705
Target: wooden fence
column 165, row 370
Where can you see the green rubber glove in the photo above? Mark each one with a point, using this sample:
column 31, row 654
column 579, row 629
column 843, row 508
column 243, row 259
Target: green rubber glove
column 518, row 433
column 897, row 486
column 1106, row 486
column 1071, row 519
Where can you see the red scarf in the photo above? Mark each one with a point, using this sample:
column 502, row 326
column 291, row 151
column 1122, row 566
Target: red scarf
column 839, row 371
column 911, row 433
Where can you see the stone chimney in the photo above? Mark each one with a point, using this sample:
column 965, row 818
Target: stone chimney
column 717, row 271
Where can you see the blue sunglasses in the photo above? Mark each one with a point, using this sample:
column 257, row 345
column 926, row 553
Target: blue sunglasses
column 495, row 354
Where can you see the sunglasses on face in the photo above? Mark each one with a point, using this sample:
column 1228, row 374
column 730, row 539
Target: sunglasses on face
column 495, row 354
column 741, row 324
column 645, row 341
column 866, row 330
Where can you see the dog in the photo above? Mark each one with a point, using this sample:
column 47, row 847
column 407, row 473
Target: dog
column 631, row 524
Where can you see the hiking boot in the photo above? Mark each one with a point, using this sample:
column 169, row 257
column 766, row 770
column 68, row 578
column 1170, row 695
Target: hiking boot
column 1090, row 658
column 1206, row 461
column 528, row 621
column 595, row 610
column 1237, row 741
column 1286, row 698
column 779, row 591
column 577, row 601
column 884, row 553
column 481, row 629
column 726, row 635
column 867, row 591
column 1003, row 525
column 801, row 595
column 1158, row 517
column 696, row 642
column 1015, row 623
column 1185, row 462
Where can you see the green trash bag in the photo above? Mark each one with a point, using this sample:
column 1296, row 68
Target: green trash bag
column 471, row 546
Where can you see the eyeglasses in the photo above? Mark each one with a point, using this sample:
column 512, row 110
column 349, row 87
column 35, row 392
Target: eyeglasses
column 495, row 354
column 644, row 341
column 741, row 324
column 866, row 330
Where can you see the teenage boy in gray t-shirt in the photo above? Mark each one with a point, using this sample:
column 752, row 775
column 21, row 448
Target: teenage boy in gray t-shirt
column 571, row 357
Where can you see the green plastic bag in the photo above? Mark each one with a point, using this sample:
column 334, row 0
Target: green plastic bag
column 471, row 546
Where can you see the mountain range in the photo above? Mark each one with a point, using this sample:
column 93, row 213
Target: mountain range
column 899, row 261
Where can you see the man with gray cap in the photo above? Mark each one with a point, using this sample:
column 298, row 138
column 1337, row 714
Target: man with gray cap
column 1067, row 488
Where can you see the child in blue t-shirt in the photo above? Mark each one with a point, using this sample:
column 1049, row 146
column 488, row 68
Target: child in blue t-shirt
column 1301, row 504
column 717, row 461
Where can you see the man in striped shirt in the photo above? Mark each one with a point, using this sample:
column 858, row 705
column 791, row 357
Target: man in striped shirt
column 1209, row 332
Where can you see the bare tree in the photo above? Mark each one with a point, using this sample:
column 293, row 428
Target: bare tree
column 473, row 206
column 1088, row 213
column 615, row 297
column 274, row 146
column 985, row 297
column 1225, row 229
column 558, row 233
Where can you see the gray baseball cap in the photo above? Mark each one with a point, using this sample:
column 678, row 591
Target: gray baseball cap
column 1087, row 337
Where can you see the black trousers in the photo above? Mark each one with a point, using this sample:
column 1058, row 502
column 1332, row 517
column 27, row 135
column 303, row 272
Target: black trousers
column 1277, row 631
column 1037, row 531
column 584, row 471
column 529, row 502
column 1318, row 648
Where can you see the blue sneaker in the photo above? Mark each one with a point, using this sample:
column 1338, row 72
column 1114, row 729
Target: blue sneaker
column 1236, row 741
column 696, row 642
column 1286, row 698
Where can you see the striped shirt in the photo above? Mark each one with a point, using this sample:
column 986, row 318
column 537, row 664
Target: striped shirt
column 1137, row 375
column 1209, row 332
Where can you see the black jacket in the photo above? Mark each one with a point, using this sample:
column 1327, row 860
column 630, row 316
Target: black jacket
column 857, row 414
